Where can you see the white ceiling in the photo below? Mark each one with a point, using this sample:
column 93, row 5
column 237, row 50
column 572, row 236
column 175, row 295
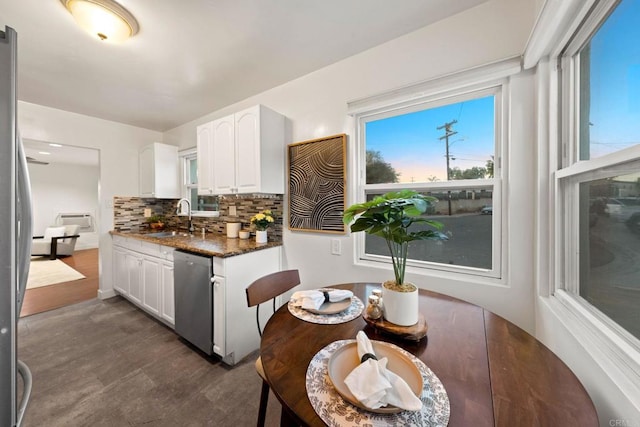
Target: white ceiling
column 65, row 154
column 192, row 57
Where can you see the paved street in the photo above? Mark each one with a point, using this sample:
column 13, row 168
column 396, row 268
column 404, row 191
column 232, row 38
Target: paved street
column 613, row 282
column 469, row 242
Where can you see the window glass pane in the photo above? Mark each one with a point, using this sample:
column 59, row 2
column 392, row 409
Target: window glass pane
column 193, row 171
column 610, row 248
column 204, row 203
column 455, row 141
column 469, row 227
column 610, row 84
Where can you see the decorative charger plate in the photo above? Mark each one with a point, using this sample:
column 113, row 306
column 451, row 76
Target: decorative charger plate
column 337, row 412
column 345, row 359
column 352, row 312
column 331, row 307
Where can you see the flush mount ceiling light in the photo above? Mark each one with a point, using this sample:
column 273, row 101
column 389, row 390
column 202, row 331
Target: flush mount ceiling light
column 104, row 19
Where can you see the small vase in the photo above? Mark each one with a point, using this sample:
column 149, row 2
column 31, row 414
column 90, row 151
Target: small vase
column 261, row 236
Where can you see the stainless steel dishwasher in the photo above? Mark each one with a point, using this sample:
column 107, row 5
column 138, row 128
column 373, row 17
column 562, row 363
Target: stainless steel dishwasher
column 194, row 299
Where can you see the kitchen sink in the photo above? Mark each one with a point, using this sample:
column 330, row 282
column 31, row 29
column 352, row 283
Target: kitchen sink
column 161, row 234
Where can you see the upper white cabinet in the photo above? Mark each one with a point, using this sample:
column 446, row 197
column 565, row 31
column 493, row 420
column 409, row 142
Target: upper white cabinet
column 242, row 153
column 159, row 171
column 205, row 154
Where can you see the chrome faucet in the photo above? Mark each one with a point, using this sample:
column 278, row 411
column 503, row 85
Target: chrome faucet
column 191, row 229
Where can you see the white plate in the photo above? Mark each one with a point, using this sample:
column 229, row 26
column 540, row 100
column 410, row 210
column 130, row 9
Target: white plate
column 332, row 307
column 345, row 359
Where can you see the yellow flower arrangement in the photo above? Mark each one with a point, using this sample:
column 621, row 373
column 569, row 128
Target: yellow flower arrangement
column 263, row 220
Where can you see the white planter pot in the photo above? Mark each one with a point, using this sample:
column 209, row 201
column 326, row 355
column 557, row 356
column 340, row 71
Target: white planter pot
column 261, row 236
column 400, row 308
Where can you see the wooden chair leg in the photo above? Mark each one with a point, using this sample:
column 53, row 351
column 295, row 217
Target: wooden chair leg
column 286, row 420
column 264, row 398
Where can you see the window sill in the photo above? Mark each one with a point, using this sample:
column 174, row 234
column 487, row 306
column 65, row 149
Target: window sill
column 460, row 275
column 204, row 214
column 618, row 356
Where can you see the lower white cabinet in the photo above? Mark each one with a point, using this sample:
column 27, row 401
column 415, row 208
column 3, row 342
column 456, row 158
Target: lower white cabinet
column 120, row 273
column 134, row 271
column 151, row 285
column 143, row 273
column 167, row 305
column 235, row 333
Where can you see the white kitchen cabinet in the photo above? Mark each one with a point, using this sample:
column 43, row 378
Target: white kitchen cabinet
column 204, row 156
column 235, row 333
column 151, row 284
column 167, row 304
column 120, row 273
column 143, row 273
column 134, row 272
column 224, row 155
column 219, row 316
column 158, row 171
column 247, row 152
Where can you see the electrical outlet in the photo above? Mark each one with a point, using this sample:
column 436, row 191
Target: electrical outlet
column 147, row 212
column 232, row 210
column 336, row 247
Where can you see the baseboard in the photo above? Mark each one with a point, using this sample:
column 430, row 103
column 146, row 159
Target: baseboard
column 102, row 294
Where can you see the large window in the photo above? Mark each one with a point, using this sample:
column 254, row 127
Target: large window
column 599, row 178
column 447, row 148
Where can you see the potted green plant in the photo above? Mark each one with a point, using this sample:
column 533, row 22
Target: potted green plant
column 391, row 216
column 156, row 222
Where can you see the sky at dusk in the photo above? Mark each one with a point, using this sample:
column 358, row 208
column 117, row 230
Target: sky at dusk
column 615, row 81
column 411, row 144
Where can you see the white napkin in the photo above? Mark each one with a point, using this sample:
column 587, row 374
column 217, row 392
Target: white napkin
column 314, row 299
column 375, row 386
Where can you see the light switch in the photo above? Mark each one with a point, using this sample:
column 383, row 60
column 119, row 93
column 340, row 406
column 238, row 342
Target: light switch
column 232, row 210
column 335, row 247
column 147, row 212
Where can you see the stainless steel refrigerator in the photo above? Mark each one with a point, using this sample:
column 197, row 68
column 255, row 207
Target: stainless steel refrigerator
column 15, row 239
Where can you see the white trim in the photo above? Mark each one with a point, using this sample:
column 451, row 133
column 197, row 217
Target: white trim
column 435, row 87
column 488, row 80
column 556, row 22
column 106, row 294
column 597, row 13
column 607, row 161
column 433, row 270
column 614, row 349
column 435, row 186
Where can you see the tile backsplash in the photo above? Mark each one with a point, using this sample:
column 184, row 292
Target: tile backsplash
column 128, row 213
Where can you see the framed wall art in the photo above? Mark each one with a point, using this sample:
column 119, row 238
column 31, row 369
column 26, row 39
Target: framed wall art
column 317, row 181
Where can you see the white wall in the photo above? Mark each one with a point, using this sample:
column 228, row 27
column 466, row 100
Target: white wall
column 61, row 188
column 316, row 106
column 118, row 145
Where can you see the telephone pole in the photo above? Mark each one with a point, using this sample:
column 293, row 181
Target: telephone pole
column 447, row 133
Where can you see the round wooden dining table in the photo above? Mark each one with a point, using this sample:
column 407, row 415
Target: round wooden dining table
column 494, row 373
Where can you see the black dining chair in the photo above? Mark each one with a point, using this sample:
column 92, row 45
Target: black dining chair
column 262, row 290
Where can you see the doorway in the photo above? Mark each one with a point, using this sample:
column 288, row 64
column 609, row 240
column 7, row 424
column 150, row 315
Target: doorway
column 65, row 184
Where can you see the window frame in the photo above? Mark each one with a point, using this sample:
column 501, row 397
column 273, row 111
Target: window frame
column 190, row 154
column 492, row 79
column 617, row 349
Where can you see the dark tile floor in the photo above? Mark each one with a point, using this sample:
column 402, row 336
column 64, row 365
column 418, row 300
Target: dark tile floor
column 106, row 363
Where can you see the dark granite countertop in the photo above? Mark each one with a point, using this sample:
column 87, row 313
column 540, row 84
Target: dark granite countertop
column 213, row 244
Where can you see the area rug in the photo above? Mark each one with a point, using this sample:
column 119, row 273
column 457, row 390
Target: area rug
column 45, row 272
